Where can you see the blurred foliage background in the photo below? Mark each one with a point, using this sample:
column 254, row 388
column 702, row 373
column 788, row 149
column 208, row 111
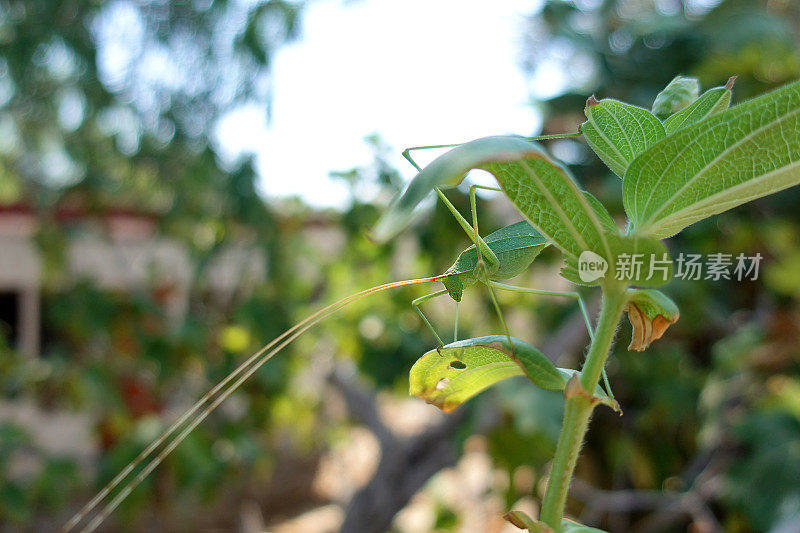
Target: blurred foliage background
column 710, row 437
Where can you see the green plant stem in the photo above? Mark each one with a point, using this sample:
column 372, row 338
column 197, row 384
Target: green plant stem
column 578, row 409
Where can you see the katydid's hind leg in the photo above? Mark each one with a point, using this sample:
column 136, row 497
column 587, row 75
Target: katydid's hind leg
column 581, row 304
column 455, row 323
column 415, row 304
column 571, row 294
column 500, row 316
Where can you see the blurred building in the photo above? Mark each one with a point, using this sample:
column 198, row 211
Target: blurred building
column 118, row 251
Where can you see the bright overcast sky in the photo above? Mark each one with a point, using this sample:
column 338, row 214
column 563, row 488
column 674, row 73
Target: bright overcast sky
column 414, row 71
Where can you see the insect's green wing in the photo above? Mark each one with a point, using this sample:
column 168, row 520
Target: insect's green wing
column 516, row 246
column 734, row 156
column 451, row 375
column 618, row 132
column 712, row 101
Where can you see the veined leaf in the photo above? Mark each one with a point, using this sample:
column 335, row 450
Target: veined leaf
column 516, row 246
column 541, row 190
column 712, row 101
column 451, row 375
column 678, row 94
column 636, row 259
column 746, row 152
column 454, row 373
column 603, row 216
column 618, row 132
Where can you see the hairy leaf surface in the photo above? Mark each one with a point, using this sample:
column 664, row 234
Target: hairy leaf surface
column 732, row 157
column 712, row 101
column 618, row 132
column 543, row 192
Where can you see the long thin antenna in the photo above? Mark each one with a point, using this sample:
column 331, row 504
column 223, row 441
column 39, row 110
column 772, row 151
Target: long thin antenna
column 243, row 372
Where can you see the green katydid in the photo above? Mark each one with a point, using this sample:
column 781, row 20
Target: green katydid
column 504, row 254
column 480, row 262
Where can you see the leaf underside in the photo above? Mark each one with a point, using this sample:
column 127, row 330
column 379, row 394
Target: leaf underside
column 618, row 132
column 710, row 102
column 543, row 192
column 734, row 156
column 456, row 372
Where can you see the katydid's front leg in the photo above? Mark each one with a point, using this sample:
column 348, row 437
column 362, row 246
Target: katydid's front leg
column 415, row 305
column 431, row 296
column 480, row 267
column 569, row 294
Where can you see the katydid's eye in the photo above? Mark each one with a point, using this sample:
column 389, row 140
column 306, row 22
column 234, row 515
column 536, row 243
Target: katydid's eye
column 457, row 365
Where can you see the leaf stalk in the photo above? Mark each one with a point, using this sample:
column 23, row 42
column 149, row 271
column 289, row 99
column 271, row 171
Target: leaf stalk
column 579, row 406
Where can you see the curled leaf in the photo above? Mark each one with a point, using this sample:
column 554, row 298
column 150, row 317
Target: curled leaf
column 448, row 170
column 574, row 388
column 541, row 189
column 678, row 94
column 454, row 373
column 651, row 312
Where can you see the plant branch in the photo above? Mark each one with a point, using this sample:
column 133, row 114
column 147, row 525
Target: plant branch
column 579, row 406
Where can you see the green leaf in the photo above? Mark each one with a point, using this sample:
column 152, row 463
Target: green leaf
column 651, row 312
column 618, row 132
column 516, row 246
column 636, row 259
column 712, row 101
column 603, row 216
column 732, row 157
column 447, row 170
column 568, row 526
column 678, row 94
column 454, row 373
column 543, row 192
